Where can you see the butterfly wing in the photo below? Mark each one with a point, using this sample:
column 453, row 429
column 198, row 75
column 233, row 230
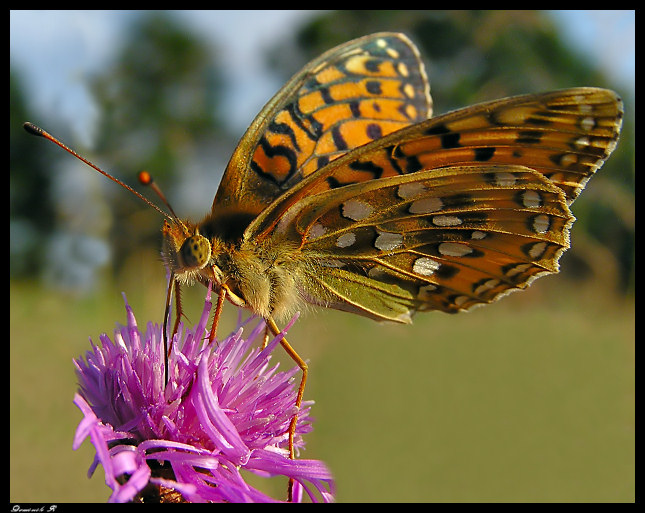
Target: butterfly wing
column 350, row 95
column 564, row 135
column 449, row 213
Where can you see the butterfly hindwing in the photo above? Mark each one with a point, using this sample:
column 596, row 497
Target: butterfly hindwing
column 444, row 239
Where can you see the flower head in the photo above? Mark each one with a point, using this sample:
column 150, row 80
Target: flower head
column 223, row 409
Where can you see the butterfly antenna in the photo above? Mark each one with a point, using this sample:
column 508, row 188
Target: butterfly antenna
column 145, row 178
column 36, row 130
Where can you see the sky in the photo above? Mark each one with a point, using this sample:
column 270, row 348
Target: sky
column 54, row 50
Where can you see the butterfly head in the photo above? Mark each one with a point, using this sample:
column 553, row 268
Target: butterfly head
column 195, row 252
column 191, row 255
column 188, row 254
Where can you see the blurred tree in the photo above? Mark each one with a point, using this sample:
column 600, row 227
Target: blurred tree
column 475, row 56
column 158, row 105
column 31, row 211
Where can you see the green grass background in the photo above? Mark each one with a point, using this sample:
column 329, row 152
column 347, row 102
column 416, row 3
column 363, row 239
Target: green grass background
column 529, row 399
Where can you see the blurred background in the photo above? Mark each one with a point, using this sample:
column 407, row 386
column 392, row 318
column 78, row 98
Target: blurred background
column 529, row 399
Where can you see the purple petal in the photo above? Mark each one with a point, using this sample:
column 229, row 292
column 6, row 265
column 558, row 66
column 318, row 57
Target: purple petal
column 224, row 409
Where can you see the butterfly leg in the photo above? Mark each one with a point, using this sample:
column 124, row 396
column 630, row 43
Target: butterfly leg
column 265, row 340
column 218, row 311
column 179, row 312
column 301, row 389
column 173, row 286
column 165, row 320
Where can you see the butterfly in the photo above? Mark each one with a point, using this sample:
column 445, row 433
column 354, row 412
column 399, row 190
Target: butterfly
column 345, row 193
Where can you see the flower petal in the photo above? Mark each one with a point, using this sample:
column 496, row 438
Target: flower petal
column 223, row 410
column 214, row 420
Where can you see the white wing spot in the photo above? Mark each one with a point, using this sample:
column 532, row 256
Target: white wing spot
column 408, row 89
column 541, row 223
column 377, row 273
column 582, row 142
column 585, row 108
column 478, row 235
column 426, row 206
column 356, row 63
column 426, row 291
column 518, row 269
column 531, row 199
column 588, row 123
column 537, row 250
column 460, row 300
column 316, row 231
column 387, row 241
column 356, row 210
column 392, row 53
column 486, row 286
column 346, row 240
column 568, row 159
column 446, row 221
column 454, row 249
column 505, row 179
column 402, row 69
column 425, row 266
column 410, row 111
column 410, row 190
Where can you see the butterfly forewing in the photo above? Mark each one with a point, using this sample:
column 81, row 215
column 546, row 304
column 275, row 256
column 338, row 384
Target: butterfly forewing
column 349, row 96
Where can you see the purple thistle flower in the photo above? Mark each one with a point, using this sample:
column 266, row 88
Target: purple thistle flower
column 223, row 410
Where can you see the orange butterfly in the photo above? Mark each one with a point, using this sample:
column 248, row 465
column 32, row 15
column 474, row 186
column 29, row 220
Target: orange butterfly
column 343, row 194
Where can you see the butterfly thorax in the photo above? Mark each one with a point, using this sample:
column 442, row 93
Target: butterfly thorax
column 260, row 277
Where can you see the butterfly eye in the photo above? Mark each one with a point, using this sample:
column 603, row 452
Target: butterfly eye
column 195, row 252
